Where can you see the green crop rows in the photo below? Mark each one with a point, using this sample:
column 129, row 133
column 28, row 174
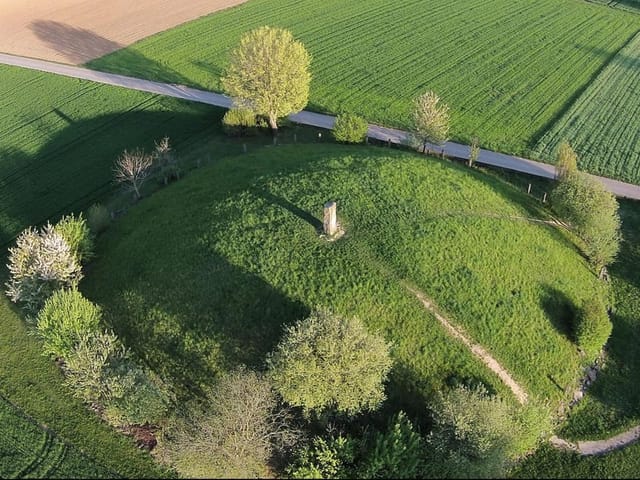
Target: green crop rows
column 29, row 451
column 508, row 68
column 602, row 125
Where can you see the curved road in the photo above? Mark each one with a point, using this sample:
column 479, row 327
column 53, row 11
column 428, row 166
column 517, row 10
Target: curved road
column 392, row 135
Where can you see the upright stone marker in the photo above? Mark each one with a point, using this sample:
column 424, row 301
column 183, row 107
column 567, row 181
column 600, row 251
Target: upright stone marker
column 330, row 222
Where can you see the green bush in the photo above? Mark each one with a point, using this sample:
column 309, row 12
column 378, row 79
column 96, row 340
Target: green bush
column 331, row 458
column 350, row 128
column 64, row 320
column 396, row 453
column 87, row 368
column 40, row 263
column 239, row 122
column 327, row 362
column 474, row 435
column 134, row 395
column 98, row 218
column 76, row 233
column 593, row 327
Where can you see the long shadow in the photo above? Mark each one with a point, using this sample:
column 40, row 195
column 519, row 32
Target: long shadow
column 287, row 205
column 74, row 168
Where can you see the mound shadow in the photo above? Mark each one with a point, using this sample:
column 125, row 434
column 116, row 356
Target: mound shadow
column 74, row 168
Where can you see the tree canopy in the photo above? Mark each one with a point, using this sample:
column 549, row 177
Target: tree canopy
column 268, row 73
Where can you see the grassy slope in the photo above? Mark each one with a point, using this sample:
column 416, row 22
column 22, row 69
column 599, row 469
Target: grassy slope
column 507, row 68
column 250, row 261
column 29, row 451
column 600, row 124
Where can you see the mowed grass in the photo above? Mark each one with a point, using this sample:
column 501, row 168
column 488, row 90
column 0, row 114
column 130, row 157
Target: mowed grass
column 602, row 124
column 507, row 68
column 29, row 451
column 205, row 274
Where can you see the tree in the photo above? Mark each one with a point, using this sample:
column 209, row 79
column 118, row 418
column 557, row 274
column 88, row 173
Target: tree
column 329, row 362
column 566, row 161
column 474, row 151
column 268, row 73
column 350, row 128
column 474, row 435
column 430, row 119
column 592, row 211
column 167, row 161
column 64, row 320
column 233, row 434
column 133, row 168
column 40, row 263
column 77, row 234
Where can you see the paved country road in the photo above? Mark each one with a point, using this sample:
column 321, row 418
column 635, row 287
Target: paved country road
column 486, row 157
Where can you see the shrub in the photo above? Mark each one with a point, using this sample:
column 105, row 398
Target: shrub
column 233, row 434
column 330, row 458
column 583, row 201
column 76, row 233
column 40, row 263
column 66, row 318
column 87, row 367
column 350, row 128
column 396, row 453
column 167, row 161
column 473, row 436
column 134, row 395
column 329, row 362
column 593, row 327
column 239, row 122
column 98, row 218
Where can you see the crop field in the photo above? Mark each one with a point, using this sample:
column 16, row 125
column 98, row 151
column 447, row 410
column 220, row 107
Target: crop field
column 29, row 451
column 250, row 230
column 602, row 125
column 61, row 136
column 507, row 68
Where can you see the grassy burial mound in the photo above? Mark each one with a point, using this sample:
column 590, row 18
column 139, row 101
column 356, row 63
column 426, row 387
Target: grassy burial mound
column 205, row 274
column 602, row 123
column 507, row 68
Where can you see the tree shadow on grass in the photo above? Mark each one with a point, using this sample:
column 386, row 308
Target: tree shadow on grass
column 560, row 310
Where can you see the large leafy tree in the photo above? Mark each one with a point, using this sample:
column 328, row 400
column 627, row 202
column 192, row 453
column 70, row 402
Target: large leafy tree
column 566, row 161
column 268, row 73
column 328, row 362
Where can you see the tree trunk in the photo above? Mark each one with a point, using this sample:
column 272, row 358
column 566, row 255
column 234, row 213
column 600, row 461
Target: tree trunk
column 273, row 123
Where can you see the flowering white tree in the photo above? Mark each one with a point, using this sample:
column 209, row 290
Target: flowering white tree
column 40, row 263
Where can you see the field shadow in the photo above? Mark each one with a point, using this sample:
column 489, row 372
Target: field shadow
column 76, row 44
column 560, row 310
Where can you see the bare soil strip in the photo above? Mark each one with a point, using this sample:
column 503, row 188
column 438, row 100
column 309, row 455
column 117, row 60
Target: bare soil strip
column 76, row 31
column 476, row 349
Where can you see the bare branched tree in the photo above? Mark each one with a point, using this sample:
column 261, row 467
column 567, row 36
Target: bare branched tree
column 133, row 168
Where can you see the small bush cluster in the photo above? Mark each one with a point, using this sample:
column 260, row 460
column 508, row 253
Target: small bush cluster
column 350, row 128
column 593, row 327
column 98, row 218
column 44, row 261
column 239, row 122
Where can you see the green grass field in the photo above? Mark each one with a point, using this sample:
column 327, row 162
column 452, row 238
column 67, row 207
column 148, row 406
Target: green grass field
column 507, row 68
column 29, row 451
column 601, row 125
column 251, row 261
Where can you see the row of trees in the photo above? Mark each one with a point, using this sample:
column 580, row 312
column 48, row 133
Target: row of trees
column 45, row 268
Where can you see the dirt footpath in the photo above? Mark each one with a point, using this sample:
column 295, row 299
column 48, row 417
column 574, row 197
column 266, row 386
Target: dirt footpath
column 75, row 31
